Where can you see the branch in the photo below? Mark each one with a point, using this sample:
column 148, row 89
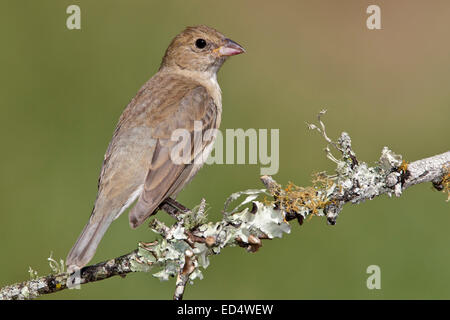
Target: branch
column 184, row 248
column 52, row 283
column 374, row 182
column 120, row 266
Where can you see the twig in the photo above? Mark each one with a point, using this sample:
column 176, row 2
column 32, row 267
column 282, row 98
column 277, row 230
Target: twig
column 183, row 275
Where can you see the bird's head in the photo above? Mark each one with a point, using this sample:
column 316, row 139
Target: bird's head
column 200, row 48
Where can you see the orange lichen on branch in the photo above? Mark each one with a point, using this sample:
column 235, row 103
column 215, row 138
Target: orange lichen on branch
column 445, row 183
column 314, row 198
column 403, row 167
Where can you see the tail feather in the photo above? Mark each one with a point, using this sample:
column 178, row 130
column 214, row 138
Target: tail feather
column 87, row 243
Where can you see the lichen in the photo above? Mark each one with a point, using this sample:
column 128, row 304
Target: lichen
column 353, row 181
column 445, row 182
column 389, row 160
column 57, row 267
column 242, row 227
column 33, row 273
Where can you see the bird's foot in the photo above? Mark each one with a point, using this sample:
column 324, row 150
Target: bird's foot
column 173, row 208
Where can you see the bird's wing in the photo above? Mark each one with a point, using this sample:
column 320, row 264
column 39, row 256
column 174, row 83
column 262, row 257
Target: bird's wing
column 195, row 113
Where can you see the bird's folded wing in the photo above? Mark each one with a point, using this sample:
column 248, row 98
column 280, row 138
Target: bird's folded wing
column 173, row 159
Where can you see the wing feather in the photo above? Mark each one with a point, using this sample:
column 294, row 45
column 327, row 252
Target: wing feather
column 166, row 176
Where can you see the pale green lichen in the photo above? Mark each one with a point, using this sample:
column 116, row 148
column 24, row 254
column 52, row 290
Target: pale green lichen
column 57, row 267
column 169, row 254
column 251, row 194
column 265, row 220
column 389, row 160
column 33, row 273
column 197, row 216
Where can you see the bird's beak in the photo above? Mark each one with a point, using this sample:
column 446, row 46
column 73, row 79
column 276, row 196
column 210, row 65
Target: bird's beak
column 230, row 48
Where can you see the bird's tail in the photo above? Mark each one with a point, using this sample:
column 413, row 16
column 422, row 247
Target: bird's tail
column 87, row 243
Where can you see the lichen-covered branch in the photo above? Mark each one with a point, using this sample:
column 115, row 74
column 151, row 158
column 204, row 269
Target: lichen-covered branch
column 183, row 249
column 357, row 188
column 355, row 181
column 52, row 283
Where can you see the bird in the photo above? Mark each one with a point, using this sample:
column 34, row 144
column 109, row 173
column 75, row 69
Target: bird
column 138, row 166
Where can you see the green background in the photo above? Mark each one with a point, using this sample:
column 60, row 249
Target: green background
column 62, row 91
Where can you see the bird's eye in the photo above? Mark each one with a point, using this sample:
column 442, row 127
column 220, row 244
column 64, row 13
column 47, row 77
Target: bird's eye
column 200, row 43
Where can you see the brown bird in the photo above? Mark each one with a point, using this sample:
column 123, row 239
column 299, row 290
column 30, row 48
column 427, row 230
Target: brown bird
column 138, row 162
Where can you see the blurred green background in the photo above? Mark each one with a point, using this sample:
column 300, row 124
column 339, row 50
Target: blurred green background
column 62, row 91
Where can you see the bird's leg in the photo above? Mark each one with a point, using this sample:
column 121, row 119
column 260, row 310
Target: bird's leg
column 177, row 205
column 173, row 208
